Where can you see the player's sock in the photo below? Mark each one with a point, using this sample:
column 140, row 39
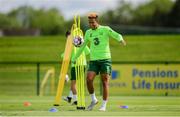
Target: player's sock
column 75, row 100
column 104, row 103
column 70, row 94
column 75, row 97
column 93, row 97
column 103, row 106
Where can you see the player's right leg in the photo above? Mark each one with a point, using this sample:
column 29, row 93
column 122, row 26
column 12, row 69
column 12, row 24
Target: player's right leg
column 90, row 77
column 92, row 71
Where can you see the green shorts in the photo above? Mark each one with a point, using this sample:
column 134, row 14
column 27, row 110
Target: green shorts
column 101, row 66
column 73, row 72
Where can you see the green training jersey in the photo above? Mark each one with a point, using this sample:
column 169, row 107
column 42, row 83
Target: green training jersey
column 99, row 42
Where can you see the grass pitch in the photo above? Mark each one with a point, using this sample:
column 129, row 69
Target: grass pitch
column 17, row 82
column 137, row 106
column 49, row 48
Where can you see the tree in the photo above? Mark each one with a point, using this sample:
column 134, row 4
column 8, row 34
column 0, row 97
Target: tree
column 174, row 16
column 8, row 22
column 21, row 16
column 50, row 21
column 153, row 13
column 121, row 15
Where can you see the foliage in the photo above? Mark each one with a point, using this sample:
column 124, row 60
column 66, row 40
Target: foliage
column 50, row 21
column 121, row 15
column 173, row 19
column 152, row 13
column 8, row 22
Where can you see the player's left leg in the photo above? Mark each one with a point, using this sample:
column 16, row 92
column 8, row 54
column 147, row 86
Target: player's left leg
column 73, row 89
column 73, row 92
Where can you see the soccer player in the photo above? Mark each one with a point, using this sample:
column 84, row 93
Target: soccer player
column 73, row 91
column 100, row 57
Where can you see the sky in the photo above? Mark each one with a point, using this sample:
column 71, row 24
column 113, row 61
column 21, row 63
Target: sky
column 67, row 7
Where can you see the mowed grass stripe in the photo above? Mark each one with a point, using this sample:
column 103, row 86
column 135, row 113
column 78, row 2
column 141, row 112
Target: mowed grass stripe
column 143, row 106
column 139, row 48
column 91, row 113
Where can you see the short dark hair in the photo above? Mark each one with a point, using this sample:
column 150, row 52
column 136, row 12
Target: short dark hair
column 92, row 15
column 67, row 33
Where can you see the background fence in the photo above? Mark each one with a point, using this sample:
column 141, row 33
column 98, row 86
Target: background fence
column 25, row 78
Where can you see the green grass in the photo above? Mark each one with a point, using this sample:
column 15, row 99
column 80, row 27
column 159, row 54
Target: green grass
column 18, row 82
column 147, row 48
column 138, row 106
column 139, row 48
column 31, row 48
column 49, row 48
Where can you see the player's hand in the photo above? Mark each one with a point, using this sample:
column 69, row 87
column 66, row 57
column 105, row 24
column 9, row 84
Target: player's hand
column 123, row 42
column 66, row 78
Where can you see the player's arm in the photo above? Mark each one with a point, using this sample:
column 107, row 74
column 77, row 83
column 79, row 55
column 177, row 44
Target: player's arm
column 116, row 36
column 87, row 50
column 79, row 51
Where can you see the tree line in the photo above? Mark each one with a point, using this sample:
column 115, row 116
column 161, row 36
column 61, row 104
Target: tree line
column 50, row 22
column 156, row 13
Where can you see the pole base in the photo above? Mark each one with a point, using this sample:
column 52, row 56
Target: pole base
column 80, row 108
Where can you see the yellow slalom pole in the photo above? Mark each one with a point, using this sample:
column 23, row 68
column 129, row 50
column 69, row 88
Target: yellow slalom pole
column 64, row 69
column 82, row 79
column 53, row 82
column 79, row 68
column 79, row 20
column 81, row 86
column 75, row 22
